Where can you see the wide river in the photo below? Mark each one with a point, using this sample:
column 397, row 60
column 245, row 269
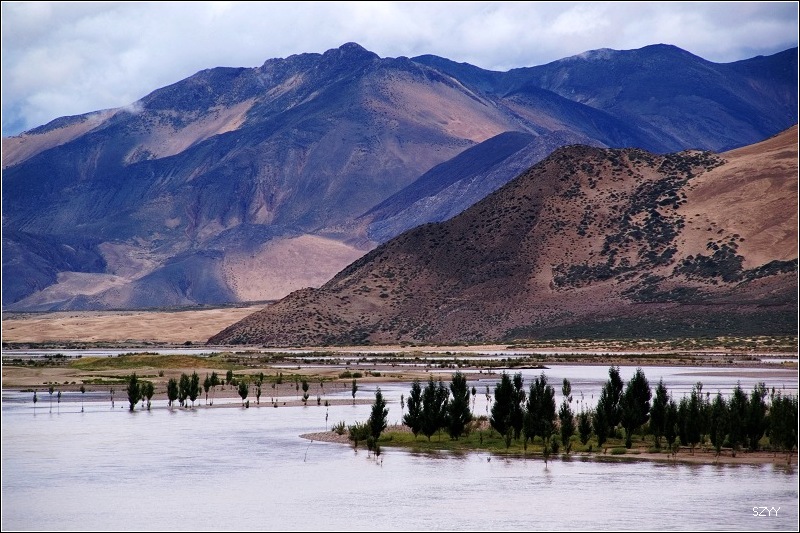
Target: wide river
column 239, row 469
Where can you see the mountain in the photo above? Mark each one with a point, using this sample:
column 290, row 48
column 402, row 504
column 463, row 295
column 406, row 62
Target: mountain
column 449, row 188
column 244, row 184
column 590, row 241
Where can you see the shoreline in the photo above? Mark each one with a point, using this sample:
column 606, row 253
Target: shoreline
column 326, row 371
column 698, row 457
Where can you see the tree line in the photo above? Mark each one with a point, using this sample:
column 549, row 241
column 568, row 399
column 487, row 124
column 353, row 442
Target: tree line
column 623, row 410
column 188, row 388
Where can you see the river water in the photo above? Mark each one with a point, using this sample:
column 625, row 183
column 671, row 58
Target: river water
column 235, row 469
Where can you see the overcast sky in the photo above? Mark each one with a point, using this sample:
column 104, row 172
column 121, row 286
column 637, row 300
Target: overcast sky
column 68, row 58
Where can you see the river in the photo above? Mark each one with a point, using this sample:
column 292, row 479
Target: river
column 236, row 469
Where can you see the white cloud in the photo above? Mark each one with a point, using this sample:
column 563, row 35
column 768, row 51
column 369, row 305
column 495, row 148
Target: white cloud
column 65, row 58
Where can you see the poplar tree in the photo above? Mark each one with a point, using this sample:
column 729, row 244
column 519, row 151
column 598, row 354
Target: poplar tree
column 413, row 419
column 134, row 391
column 207, row 386
column 565, row 416
column 194, row 387
column 671, row 422
column 756, row 421
column 584, row 427
column 718, row 423
column 658, row 412
column 378, row 416
column 183, row 389
column 737, row 413
column 434, row 407
column 500, row 418
column 635, row 405
column 516, row 411
column 243, row 389
column 458, row 412
column 172, row 391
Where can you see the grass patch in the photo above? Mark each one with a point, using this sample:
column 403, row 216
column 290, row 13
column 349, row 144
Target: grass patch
column 135, row 361
column 104, row 381
column 488, row 440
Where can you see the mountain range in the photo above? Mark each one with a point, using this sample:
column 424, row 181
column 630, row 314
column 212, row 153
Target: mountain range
column 245, row 184
column 590, row 242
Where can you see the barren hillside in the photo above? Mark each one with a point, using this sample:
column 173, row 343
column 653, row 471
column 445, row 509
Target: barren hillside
column 588, row 242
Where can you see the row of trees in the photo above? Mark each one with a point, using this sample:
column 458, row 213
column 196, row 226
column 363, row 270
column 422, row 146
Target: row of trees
column 622, row 410
column 137, row 391
column 188, row 387
column 433, row 408
column 626, row 408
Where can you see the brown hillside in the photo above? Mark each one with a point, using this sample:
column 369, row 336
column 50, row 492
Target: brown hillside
column 590, row 242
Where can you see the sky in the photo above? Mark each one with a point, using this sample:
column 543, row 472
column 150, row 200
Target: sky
column 69, row 58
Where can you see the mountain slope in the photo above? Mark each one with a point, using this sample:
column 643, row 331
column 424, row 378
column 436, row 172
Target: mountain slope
column 665, row 93
column 449, row 188
column 589, row 241
column 209, row 181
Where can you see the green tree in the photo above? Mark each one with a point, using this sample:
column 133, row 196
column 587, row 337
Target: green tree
column 378, row 417
column 693, row 416
column 500, row 419
column 756, row 421
column 354, row 390
column 565, row 416
column 83, row 391
column 737, row 415
column 718, row 423
column 635, row 405
column 243, row 389
column 172, row 391
column 51, row 390
column 35, row 399
column 207, row 386
column 183, row 389
column 584, row 426
column 540, row 411
column 516, row 411
column 194, row 387
column 134, row 391
column 458, row 412
column 614, row 386
column 671, row 422
column 783, row 423
column 148, row 390
column 600, row 422
column 434, row 407
column 228, row 377
column 658, row 412
column 413, row 419
column 305, row 391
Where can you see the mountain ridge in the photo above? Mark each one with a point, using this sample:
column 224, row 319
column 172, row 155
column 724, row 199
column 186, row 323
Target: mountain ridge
column 304, row 146
column 589, row 241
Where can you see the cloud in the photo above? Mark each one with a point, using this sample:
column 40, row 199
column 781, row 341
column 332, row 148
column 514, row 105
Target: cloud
column 65, row 58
